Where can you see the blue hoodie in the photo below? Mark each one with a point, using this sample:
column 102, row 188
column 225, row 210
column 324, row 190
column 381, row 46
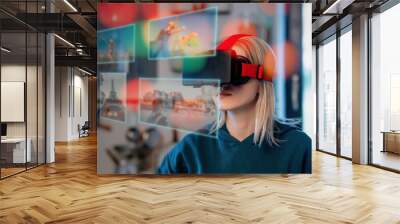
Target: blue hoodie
column 196, row 154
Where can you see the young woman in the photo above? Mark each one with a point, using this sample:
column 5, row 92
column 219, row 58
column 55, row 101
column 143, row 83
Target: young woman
column 249, row 138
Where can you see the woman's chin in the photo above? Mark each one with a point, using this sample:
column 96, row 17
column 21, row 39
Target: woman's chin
column 226, row 107
column 227, row 103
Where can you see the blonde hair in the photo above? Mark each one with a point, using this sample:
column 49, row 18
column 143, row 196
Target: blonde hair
column 255, row 50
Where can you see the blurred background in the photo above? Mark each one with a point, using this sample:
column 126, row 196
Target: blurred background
column 144, row 108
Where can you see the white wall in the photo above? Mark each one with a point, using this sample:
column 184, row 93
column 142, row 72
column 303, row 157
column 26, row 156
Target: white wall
column 81, row 85
column 61, row 103
column 70, row 83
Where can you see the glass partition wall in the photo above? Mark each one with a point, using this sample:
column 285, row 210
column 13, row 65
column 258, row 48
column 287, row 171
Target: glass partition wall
column 327, row 96
column 22, row 77
column 345, row 61
column 334, row 94
column 385, row 90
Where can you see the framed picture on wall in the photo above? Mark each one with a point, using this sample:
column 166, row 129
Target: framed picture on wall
column 12, row 101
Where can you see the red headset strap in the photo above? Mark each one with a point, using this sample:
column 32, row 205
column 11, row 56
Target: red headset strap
column 230, row 41
column 248, row 70
column 254, row 71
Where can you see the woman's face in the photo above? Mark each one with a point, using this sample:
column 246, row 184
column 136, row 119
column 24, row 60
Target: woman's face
column 234, row 97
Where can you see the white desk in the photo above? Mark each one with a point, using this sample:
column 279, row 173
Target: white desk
column 19, row 155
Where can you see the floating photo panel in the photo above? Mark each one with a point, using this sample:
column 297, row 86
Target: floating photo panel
column 170, row 104
column 185, row 35
column 112, row 96
column 116, row 45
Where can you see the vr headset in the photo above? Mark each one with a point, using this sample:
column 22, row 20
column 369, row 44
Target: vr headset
column 226, row 66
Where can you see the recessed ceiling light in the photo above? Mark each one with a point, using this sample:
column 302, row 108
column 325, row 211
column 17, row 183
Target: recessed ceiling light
column 84, row 71
column 65, row 41
column 70, row 5
column 5, row 50
column 337, row 7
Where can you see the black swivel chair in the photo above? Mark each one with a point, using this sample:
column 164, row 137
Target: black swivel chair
column 84, row 130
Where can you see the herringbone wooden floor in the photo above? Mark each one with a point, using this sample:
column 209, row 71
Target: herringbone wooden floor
column 69, row 191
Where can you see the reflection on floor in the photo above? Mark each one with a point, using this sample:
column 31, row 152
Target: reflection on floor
column 346, row 152
column 387, row 159
column 11, row 169
column 70, row 191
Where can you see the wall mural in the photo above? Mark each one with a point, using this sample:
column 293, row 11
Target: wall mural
column 200, row 88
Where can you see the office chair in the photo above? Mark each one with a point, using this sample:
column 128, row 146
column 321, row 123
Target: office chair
column 84, row 130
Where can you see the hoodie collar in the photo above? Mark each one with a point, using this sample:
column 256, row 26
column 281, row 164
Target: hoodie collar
column 280, row 130
column 226, row 138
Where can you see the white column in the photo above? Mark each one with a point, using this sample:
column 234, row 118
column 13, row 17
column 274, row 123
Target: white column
column 50, row 100
column 360, row 90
